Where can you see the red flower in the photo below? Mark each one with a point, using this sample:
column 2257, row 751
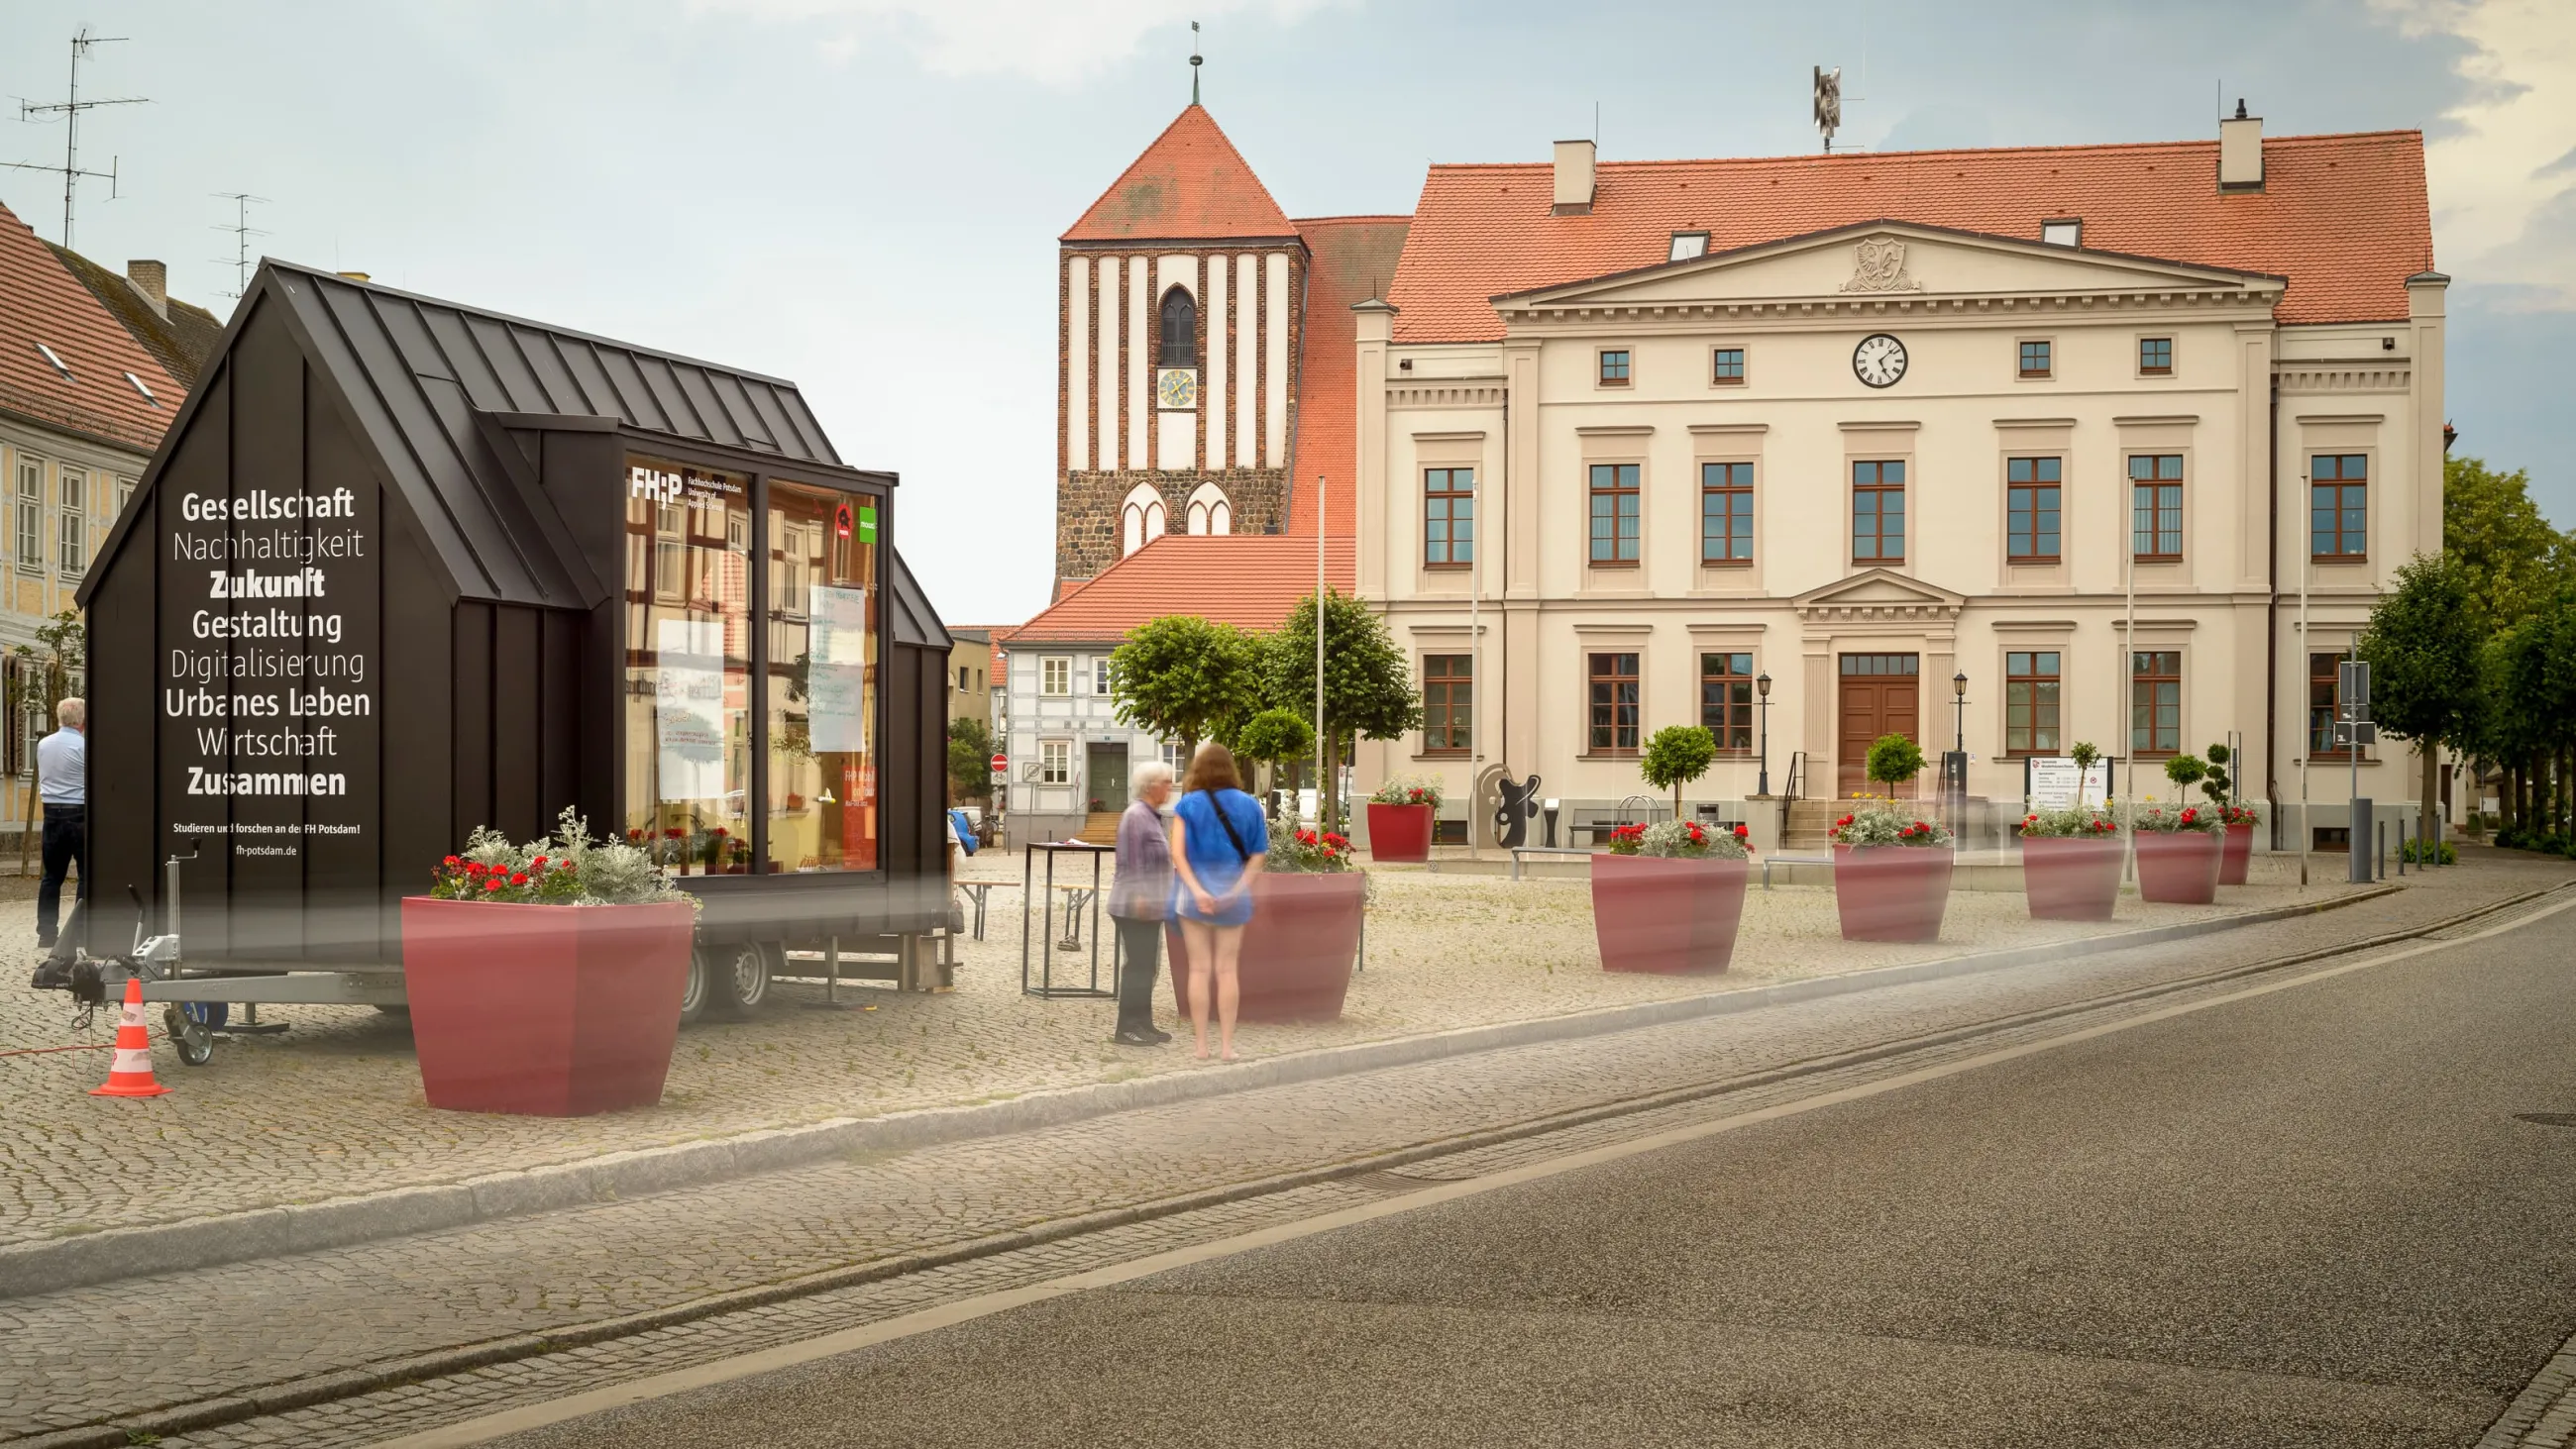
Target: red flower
column 493, row 884
column 1744, row 832
column 635, row 835
column 519, row 877
column 451, row 860
column 674, row 833
column 537, row 864
column 718, row 832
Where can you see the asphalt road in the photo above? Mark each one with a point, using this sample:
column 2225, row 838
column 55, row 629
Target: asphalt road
column 2312, row 1217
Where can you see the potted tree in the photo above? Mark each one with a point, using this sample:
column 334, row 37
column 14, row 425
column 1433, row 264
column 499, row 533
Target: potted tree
column 1675, row 756
column 1279, row 739
column 1400, row 813
column 2179, row 846
column 2237, row 853
column 1669, row 896
column 1304, row 937
column 545, row 979
column 1891, row 869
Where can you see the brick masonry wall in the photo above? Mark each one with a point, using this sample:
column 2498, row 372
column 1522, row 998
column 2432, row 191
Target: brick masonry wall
column 1087, row 507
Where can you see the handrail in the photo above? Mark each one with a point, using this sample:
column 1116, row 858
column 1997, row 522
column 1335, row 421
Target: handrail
column 1797, row 765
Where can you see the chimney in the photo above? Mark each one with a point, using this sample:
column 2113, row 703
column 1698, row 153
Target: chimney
column 152, row 280
column 2240, row 152
column 1573, row 178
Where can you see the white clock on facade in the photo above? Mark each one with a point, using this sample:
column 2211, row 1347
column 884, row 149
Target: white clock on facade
column 1879, row 360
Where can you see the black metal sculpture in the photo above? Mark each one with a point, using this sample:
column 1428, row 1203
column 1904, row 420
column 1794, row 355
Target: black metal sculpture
column 1519, row 807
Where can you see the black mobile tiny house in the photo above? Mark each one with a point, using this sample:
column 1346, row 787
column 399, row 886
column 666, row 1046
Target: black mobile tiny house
column 403, row 568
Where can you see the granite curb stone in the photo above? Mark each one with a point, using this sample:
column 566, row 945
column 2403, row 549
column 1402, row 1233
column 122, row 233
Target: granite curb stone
column 53, row 1264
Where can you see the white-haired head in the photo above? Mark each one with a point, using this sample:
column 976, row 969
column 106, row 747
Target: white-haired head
column 1146, row 775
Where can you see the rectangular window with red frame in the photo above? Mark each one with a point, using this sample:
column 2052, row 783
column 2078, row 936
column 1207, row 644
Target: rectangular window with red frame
column 1878, row 511
column 2155, row 500
column 2155, row 701
column 2339, row 507
column 1726, row 700
column 1726, row 513
column 2030, row 702
column 1448, row 704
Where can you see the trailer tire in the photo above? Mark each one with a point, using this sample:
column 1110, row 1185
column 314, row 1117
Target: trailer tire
column 698, row 988
column 738, row 981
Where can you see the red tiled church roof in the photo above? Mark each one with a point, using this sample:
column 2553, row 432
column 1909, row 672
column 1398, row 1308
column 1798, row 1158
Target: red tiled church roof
column 41, row 302
column 2345, row 218
column 1248, row 580
column 1189, row 185
column 1350, row 259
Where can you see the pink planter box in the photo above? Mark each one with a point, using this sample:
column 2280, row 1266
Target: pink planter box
column 1891, row 892
column 1298, row 949
column 1399, row 834
column 2071, row 877
column 2178, row 867
column 544, row 1011
column 1666, row 915
column 2239, row 855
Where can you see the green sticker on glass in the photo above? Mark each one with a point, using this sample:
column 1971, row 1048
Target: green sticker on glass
column 867, row 524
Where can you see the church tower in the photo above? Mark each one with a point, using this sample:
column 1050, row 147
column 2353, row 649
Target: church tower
column 1179, row 323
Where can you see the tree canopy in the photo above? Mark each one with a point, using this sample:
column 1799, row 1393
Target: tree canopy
column 2511, row 561
column 1675, row 756
column 2423, row 646
column 970, row 758
column 1368, row 682
column 1186, row 679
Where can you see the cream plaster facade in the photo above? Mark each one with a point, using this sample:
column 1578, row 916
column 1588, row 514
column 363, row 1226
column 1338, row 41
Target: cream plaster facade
column 2245, row 404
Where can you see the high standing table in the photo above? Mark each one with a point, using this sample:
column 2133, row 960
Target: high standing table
column 1086, row 898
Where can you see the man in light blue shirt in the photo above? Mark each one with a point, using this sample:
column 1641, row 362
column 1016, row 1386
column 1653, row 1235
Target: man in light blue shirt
column 62, row 774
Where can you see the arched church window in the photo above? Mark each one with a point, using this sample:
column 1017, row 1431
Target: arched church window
column 1209, row 513
column 1141, row 519
column 1180, row 329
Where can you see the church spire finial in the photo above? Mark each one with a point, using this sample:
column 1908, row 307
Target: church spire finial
column 1194, row 62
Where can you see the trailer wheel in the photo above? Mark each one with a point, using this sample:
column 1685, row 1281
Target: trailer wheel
column 696, row 991
column 740, row 979
column 194, row 1039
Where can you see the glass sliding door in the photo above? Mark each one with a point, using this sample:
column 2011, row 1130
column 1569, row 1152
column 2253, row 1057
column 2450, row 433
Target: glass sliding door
column 688, row 665
column 826, row 607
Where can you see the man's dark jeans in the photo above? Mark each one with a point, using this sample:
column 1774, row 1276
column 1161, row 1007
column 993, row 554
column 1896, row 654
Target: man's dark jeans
column 66, row 841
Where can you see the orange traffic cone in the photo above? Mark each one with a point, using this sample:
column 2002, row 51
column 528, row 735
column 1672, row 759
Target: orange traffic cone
column 132, row 1074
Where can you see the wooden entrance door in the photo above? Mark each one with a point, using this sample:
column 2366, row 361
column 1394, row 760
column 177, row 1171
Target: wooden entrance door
column 1105, row 766
column 1880, row 695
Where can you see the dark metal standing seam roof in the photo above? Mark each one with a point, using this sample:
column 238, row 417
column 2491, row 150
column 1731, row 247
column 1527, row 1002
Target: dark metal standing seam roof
column 417, row 372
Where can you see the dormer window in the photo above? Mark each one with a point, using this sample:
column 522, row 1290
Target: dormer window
column 2064, row 231
column 1689, row 244
column 56, row 359
column 141, row 387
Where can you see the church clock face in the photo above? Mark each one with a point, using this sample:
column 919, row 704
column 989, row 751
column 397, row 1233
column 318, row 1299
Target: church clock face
column 1879, row 360
column 1177, row 387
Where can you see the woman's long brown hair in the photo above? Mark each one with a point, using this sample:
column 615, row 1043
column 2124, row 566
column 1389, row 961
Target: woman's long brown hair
column 1212, row 768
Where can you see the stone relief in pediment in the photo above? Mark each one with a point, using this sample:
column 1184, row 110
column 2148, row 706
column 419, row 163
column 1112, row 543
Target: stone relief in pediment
column 1878, row 265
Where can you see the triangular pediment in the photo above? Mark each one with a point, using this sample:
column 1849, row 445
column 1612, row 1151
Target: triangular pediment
column 1880, row 593
column 1890, row 261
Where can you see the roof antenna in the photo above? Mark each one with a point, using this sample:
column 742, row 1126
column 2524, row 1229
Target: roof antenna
column 1194, row 62
column 71, row 109
column 242, row 232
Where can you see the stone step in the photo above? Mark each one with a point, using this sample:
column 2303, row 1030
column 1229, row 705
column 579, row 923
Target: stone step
column 1100, row 827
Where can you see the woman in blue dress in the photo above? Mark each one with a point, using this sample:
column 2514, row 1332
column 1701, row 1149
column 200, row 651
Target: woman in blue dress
column 1218, row 839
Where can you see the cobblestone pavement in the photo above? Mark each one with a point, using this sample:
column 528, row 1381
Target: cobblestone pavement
column 333, row 1107
column 123, row 1348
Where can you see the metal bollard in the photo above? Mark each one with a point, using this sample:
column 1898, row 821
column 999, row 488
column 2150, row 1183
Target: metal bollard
column 2382, row 836
column 2401, row 849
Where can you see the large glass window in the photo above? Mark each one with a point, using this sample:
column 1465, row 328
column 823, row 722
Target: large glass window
column 1614, row 704
column 72, row 555
column 1726, row 513
column 2031, row 509
column 1615, row 518
column 2339, row 506
column 1448, row 517
column 1878, row 511
column 821, row 695
column 2325, row 699
column 1726, row 701
column 2030, row 702
column 30, row 507
column 1448, row 704
column 2155, row 496
column 2155, row 701
column 688, row 665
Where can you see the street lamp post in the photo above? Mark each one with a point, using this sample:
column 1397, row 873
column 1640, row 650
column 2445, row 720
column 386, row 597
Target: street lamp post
column 1958, row 771
column 1762, row 687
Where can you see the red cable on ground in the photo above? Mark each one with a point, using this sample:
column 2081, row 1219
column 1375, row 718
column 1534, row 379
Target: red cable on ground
column 96, row 1046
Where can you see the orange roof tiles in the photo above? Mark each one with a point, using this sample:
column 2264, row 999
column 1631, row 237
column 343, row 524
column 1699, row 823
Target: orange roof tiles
column 1247, row 580
column 2345, row 218
column 1190, row 184
column 1351, row 258
column 41, row 302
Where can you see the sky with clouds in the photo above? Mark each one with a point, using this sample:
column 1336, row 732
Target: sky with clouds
column 864, row 195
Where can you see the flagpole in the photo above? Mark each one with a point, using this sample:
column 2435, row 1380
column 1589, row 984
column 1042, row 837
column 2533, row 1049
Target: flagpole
column 1323, row 777
column 1475, row 651
column 2307, row 561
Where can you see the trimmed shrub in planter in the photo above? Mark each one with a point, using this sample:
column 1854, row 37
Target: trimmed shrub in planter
column 1399, row 818
column 2070, row 863
column 1668, row 897
column 2179, row 854
column 1304, row 936
column 545, row 980
column 1891, row 874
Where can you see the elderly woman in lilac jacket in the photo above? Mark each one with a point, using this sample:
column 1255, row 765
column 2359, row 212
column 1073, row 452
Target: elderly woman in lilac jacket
column 1140, row 901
